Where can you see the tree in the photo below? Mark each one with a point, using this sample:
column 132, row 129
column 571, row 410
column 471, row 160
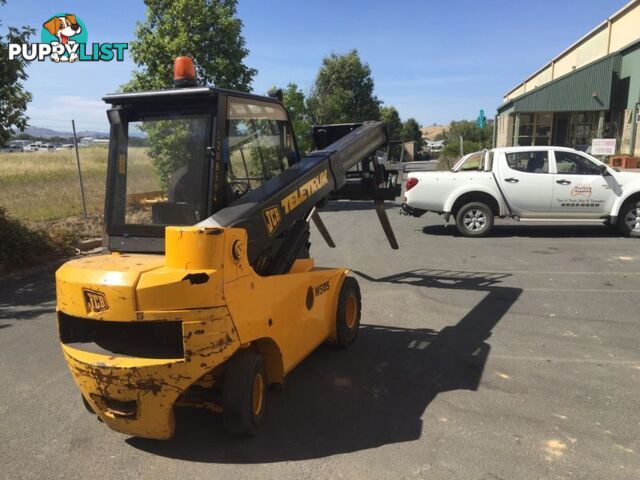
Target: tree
column 343, row 91
column 210, row 33
column 474, row 138
column 411, row 132
column 206, row 30
column 13, row 97
column 389, row 115
column 295, row 102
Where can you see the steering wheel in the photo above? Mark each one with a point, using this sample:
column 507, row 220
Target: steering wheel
column 239, row 187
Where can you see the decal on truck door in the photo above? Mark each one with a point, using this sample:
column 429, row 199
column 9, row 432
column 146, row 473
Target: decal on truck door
column 580, row 198
column 581, row 191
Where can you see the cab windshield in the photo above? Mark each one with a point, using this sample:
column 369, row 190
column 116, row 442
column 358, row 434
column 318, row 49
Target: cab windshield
column 158, row 172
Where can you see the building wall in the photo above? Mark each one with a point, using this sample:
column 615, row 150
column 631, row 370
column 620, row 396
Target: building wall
column 624, row 29
column 612, row 35
column 504, row 130
column 540, row 79
column 630, row 69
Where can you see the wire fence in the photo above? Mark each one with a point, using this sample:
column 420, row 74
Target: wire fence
column 42, row 183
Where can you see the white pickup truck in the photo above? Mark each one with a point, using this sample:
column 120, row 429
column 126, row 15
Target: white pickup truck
column 529, row 184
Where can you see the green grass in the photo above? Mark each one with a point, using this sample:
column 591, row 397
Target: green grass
column 42, row 186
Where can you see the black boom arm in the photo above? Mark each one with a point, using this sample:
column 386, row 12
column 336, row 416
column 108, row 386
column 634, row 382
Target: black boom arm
column 276, row 214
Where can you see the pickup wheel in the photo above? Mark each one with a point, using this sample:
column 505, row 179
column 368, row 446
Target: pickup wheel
column 348, row 314
column 243, row 394
column 474, row 219
column 629, row 219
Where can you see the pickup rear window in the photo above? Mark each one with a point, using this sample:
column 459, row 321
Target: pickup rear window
column 530, row 162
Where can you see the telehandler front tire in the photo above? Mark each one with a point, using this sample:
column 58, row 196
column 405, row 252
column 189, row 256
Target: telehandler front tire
column 243, row 394
column 87, row 405
column 348, row 314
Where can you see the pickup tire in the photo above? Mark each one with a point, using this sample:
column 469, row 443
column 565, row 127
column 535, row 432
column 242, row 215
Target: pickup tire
column 629, row 219
column 474, row 219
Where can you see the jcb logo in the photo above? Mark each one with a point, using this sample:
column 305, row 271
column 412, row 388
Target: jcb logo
column 95, row 301
column 272, row 218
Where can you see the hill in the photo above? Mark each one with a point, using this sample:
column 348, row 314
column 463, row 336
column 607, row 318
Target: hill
column 432, row 131
column 44, row 133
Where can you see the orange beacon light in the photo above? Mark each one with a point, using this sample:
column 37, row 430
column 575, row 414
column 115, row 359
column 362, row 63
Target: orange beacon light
column 184, row 73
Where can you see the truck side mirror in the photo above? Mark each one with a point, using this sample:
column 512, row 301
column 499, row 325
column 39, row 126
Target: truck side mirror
column 604, row 171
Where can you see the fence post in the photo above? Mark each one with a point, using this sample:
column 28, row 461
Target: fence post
column 75, row 142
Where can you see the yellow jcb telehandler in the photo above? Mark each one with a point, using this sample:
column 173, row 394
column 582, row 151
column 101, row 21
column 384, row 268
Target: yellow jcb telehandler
column 205, row 294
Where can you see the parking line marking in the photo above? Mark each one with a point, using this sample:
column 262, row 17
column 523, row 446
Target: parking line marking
column 583, row 290
column 567, row 360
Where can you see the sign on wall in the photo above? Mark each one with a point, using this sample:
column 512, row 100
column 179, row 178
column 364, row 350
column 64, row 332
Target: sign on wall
column 603, row 146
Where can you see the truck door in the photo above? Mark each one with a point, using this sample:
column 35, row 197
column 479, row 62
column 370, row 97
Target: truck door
column 579, row 187
column 526, row 183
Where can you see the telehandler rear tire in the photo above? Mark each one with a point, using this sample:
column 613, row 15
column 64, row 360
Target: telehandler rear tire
column 348, row 314
column 243, row 394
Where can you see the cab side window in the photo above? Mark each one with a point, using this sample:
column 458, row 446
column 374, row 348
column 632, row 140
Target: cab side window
column 574, row 164
column 529, row 162
column 260, row 145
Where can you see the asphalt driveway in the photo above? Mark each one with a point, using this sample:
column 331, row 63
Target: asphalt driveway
column 509, row 357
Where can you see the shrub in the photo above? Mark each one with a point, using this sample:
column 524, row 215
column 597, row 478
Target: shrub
column 21, row 246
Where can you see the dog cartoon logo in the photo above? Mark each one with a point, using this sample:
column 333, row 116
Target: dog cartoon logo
column 64, row 39
column 64, row 29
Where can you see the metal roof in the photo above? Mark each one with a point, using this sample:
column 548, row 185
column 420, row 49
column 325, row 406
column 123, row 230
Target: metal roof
column 175, row 93
column 586, row 89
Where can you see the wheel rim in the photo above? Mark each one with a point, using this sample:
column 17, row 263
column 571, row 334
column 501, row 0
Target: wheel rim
column 475, row 220
column 350, row 312
column 632, row 219
column 258, row 392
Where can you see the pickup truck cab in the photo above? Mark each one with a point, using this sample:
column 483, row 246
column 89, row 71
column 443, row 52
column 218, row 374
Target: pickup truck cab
column 528, row 184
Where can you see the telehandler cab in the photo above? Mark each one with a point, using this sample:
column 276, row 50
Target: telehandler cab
column 206, row 295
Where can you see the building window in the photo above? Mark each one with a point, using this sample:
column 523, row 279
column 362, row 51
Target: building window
column 543, row 129
column 535, row 129
column 583, row 128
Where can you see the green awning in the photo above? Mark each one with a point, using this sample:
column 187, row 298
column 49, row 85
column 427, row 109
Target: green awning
column 586, row 89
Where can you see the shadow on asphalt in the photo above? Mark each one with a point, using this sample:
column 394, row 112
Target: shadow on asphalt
column 351, row 205
column 29, row 296
column 533, row 231
column 372, row 394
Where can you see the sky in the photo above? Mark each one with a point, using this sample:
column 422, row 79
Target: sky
column 435, row 61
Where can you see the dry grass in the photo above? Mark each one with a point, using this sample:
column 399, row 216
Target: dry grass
column 44, row 186
column 432, row 131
